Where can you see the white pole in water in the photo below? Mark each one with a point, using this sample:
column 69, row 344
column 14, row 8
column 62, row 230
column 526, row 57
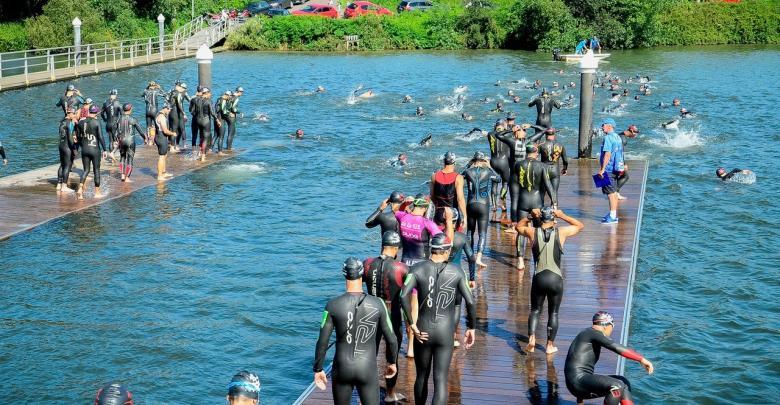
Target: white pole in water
column 76, row 41
column 161, row 32
column 204, row 56
column 588, row 66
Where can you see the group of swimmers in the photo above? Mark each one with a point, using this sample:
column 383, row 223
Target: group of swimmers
column 81, row 130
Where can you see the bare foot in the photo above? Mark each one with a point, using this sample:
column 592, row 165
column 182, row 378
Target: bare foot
column 99, row 195
column 620, row 197
column 510, row 230
column 127, row 180
column 410, row 354
column 531, row 346
column 550, row 349
column 167, row 176
column 395, row 397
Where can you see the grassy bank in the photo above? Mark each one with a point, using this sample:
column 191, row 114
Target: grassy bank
column 546, row 24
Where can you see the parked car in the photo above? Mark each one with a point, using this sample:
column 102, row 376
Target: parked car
column 277, row 12
column 297, row 2
column 259, row 7
column 364, row 8
column 281, row 3
column 411, row 5
column 323, row 10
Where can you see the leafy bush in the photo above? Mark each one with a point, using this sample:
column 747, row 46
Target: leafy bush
column 542, row 25
column 480, row 29
column 13, row 37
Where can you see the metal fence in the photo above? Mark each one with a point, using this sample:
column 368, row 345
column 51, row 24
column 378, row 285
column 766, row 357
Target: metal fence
column 93, row 58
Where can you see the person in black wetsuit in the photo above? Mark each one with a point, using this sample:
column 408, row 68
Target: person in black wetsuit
column 516, row 140
column 357, row 318
column 110, row 113
column 67, row 148
column 162, row 139
column 71, row 99
column 203, row 117
column 176, row 117
column 441, row 286
column 531, row 179
column 460, row 247
column 124, row 133
column 725, row 175
column 384, row 277
column 152, row 96
column 553, row 153
column 114, row 394
column 547, row 242
column 244, row 389
column 631, row 132
column 499, row 161
column 194, row 102
column 222, row 111
column 447, row 192
column 233, row 113
column 480, row 179
column 2, row 154
column 544, row 105
column 386, row 220
column 583, row 355
column 90, row 137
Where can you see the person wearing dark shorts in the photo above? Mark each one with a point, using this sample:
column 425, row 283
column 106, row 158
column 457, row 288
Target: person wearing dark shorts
column 357, row 317
column 581, row 360
column 613, row 165
column 161, row 139
column 93, row 149
column 123, row 131
column 547, row 242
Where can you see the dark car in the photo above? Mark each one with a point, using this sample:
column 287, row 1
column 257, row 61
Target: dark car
column 259, row 7
column 281, row 3
column 276, row 12
column 411, row 5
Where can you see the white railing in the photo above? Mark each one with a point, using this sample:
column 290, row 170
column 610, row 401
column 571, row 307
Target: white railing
column 92, row 58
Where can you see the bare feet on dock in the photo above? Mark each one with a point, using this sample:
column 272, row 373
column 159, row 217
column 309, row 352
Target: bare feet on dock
column 127, row 180
column 620, row 197
column 531, row 346
column 550, row 349
column 479, row 261
column 395, row 397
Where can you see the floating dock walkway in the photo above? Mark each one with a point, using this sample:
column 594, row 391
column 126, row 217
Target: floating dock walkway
column 28, row 199
column 599, row 269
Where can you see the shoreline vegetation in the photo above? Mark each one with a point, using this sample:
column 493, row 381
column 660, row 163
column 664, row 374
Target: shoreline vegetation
column 534, row 25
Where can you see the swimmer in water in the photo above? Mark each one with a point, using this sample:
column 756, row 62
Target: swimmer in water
column 684, row 113
column 727, row 176
column 90, row 137
column 499, row 107
column 386, row 220
column 671, row 124
column 427, row 140
column 298, row 134
column 466, row 117
column 400, row 161
column 676, row 102
column 484, row 100
column 581, row 360
column 547, row 242
column 515, row 99
column 357, row 318
column 435, row 327
column 320, row 89
column 368, row 94
column 572, row 84
column 497, row 83
column 114, row 394
column 244, row 389
column 419, row 112
column 636, row 97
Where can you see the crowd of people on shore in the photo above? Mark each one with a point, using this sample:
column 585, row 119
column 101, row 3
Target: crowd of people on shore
column 81, row 130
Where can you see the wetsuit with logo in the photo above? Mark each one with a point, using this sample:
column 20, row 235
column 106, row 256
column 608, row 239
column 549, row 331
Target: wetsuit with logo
column 384, row 278
column 151, row 98
column 176, row 116
column 90, row 137
column 499, row 161
column 110, row 113
column 416, row 233
column 67, row 150
column 516, row 153
column 553, row 153
column 222, row 109
column 385, row 219
column 204, row 115
column 532, row 179
column 124, row 132
column 441, row 287
column 160, row 139
column 195, row 113
column 544, row 106
column 231, row 121
column 444, row 195
column 479, row 181
column 547, row 281
column 67, row 102
column 583, row 355
column 357, row 319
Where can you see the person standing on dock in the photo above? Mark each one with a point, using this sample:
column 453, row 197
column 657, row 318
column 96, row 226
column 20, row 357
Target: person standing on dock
column 532, row 179
column 547, row 242
column 152, row 95
column 544, row 105
column 90, row 137
column 110, row 113
column 232, row 116
column 67, row 149
column 176, row 117
column 553, row 153
column 162, row 139
column 384, row 277
column 481, row 180
column 222, row 110
column 612, row 165
column 441, row 286
column 499, row 162
column 205, row 115
column 386, row 220
column 357, row 318
column 124, row 133
column 72, row 99
column 194, row 112
column 581, row 360
column 447, row 192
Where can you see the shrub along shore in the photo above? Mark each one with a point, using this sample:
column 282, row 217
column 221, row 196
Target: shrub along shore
column 537, row 25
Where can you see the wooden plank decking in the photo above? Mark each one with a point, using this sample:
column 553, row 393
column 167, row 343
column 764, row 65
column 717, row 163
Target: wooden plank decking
column 599, row 272
column 28, row 199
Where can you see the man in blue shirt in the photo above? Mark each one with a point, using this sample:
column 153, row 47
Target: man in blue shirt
column 582, row 47
column 612, row 162
column 595, row 44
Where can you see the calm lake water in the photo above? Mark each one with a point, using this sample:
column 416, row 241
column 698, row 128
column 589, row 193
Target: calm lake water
column 175, row 288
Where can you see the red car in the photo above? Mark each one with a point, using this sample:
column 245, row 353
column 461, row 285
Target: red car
column 323, row 10
column 364, row 8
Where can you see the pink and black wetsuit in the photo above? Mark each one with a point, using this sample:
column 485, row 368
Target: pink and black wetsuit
column 416, row 232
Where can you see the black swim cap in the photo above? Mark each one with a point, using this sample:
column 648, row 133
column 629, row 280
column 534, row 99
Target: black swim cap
column 720, row 172
column 114, row 394
column 550, row 131
column 244, row 384
column 531, row 148
column 548, row 214
column 510, row 117
column 353, row 268
column 391, row 238
column 449, row 158
column 603, row 318
column 199, row 89
column 71, row 87
column 440, row 242
column 396, row 197
column 127, row 107
column 113, row 92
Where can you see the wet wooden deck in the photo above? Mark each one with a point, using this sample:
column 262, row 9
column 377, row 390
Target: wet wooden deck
column 28, row 199
column 599, row 266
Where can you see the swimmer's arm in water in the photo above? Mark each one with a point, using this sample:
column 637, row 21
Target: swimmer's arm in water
column 326, row 329
column 459, row 184
column 391, row 350
column 564, row 160
column 574, row 227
